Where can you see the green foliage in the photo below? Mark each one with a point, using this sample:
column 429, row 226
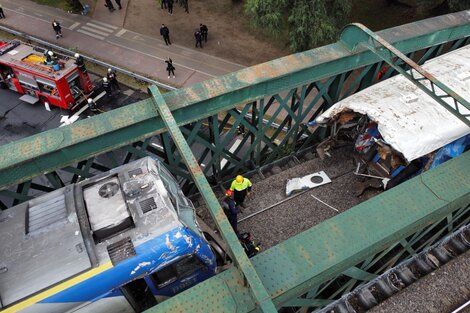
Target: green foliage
column 267, row 14
column 458, row 5
column 309, row 22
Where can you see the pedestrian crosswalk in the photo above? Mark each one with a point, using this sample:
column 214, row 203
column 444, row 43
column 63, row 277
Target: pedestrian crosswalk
column 98, row 30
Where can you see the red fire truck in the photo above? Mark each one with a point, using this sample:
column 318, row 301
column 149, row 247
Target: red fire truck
column 43, row 76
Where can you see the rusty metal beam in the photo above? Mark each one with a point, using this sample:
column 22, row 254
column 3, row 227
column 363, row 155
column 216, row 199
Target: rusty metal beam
column 356, row 35
column 260, row 296
column 45, row 152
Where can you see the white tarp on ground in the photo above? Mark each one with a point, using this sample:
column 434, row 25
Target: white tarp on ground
column 408, row 119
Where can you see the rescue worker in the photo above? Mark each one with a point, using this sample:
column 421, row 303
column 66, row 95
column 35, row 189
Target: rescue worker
column 80, row 62
column 242, row 188
column 92, row 104
column 198, row 37
column 50, row 57
column 231, row 209
column 106, row 86
column 112, row 78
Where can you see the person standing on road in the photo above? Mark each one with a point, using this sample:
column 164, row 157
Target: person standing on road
column 170, row 67
column 118, row 2
column 231, row 209
column 198, row 37
column 170, row 7
column 57, row 28
column 2, row 15
column 112, row 78
column 165, row 32
column 204, row 30
column 109, row 5
column 241, row 187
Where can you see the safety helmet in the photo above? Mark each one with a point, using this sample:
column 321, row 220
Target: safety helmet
column 76, row 55
column 89, row 100
column 109, row 70
column 228, row 193
column 239, row 179
column 50, row 53
column 105, row 79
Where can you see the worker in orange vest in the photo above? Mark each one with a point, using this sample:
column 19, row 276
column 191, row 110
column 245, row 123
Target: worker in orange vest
column 241, row 187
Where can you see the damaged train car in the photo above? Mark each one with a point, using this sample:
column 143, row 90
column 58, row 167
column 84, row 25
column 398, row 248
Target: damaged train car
column 396, row 129
column 118, row 242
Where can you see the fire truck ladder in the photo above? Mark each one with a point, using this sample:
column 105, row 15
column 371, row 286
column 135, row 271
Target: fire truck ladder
column 38, row 67
column 424, row 80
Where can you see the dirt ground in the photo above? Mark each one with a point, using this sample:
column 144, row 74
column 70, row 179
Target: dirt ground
column 230, row 37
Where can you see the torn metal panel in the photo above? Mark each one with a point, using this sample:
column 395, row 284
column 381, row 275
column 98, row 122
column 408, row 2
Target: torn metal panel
column 408, row 119
column 306, row 182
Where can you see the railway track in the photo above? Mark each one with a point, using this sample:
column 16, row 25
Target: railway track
column 272, row 217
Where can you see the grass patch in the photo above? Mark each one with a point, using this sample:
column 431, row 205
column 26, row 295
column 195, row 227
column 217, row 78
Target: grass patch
column 61, row 4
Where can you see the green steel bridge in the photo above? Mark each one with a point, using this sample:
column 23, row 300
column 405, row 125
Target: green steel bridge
column 273, row 101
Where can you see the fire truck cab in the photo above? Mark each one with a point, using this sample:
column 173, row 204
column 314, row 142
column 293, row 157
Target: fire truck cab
column 43, row 76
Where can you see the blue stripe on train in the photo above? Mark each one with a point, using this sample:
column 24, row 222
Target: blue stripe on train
column 150, row 256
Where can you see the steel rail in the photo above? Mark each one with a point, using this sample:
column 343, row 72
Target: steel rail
column 460, row 308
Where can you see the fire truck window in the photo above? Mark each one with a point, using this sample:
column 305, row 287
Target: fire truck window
column 48, row 89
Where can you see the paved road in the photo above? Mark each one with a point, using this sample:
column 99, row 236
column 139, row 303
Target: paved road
column 114, row 44
column 19, row 119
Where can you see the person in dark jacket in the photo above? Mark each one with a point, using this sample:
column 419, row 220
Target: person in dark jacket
column 186, row 6
column 109, row 5
column 165, row 32
column 112, row 79
column 170, row 67
column 2, row 15
column 198, row 37
column 170, row 6
column 106, row 86
column 57, row 28
column 231, row 209
column 204, row 30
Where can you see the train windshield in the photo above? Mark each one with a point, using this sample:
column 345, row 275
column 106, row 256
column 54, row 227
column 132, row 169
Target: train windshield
column 178, row 270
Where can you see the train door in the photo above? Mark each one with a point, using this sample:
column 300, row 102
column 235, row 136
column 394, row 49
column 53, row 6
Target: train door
column 139, row 295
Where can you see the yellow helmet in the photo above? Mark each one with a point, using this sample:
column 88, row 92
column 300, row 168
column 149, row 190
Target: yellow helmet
column 239, row 179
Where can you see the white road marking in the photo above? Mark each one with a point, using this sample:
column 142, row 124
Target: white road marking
column 232, row 150
column 162, row 59
column 74, row 25
column 94, row 31
column 105, row 25
column 100, row 27
column 91, row 35
column 120, row 33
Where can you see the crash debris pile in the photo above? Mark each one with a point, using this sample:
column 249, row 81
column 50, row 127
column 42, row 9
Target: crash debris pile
column 379, row 165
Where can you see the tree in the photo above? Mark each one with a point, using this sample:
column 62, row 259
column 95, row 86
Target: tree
column 309, row 22
column 458, row 5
